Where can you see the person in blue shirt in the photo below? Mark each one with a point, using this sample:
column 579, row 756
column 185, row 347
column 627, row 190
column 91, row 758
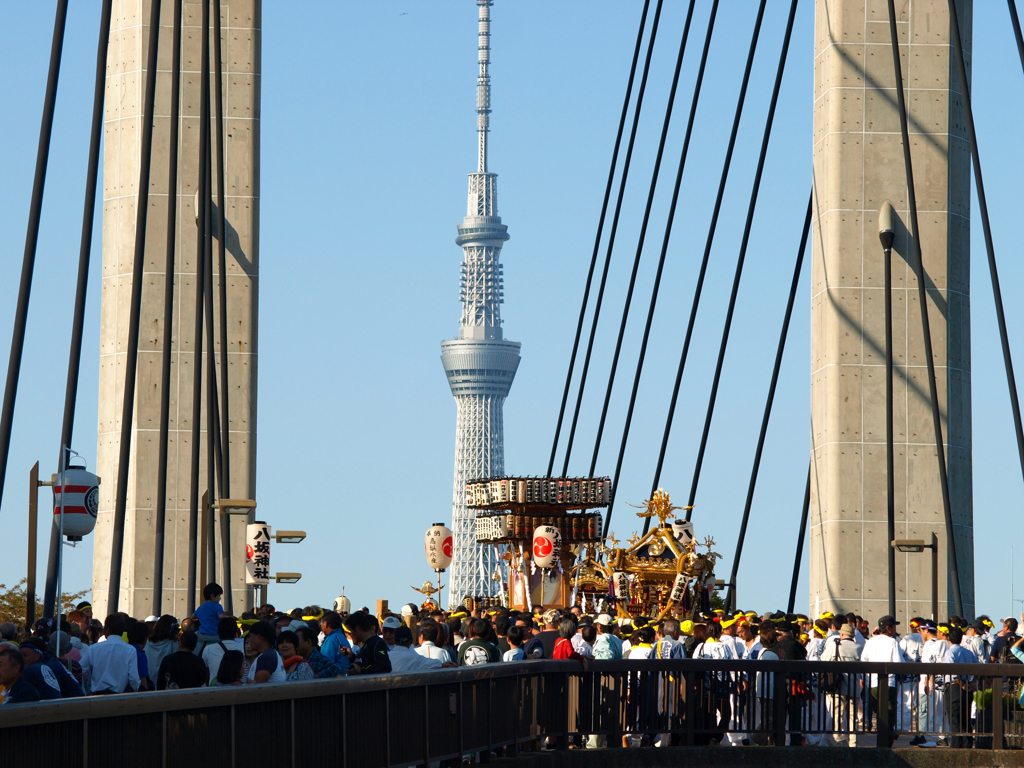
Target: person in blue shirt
column 334, row 641
column 957, row 690
column 12, row 668
column 47, row 675
column 208, row 614
column 138, row 634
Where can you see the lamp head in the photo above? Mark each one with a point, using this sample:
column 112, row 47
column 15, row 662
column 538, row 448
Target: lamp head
column 909, row 545
column 886, row 225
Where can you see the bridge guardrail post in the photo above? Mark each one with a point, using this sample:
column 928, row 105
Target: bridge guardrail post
column 997, row 712
column 780, row 682
column 883, row 715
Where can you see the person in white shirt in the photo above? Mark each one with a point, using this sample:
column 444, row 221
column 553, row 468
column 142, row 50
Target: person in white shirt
column 428, row 644
column 111, row 666
column 752, row 645
column 912, row 644
column 404, row 658
column 931, row 709
column 974, row 640
column 228, row 639
column 820, row 630
column 884, row 647
column 730, row 636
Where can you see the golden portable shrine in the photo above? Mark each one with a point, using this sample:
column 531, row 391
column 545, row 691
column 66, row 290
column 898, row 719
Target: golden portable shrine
column 539, row 525
column 554, row 554
column 661, row 573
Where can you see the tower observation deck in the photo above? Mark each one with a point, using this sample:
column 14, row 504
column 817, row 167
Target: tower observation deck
column 480, row 364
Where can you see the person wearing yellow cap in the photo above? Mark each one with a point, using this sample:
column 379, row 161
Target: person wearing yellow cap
column 930, row 687
column 729, row 637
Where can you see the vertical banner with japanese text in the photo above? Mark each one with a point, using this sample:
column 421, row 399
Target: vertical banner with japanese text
column 257, row 553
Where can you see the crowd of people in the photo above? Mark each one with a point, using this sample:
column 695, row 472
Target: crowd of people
column 85, row 657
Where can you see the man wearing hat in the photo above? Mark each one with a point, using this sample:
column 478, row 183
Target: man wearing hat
column 932, row 701
column 387, row 631
column 607, row 647
column 974, row 640
column 44, row 674
column 884, row 648
column 843, row 708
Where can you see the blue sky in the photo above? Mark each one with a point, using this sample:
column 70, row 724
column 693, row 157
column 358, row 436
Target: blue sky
column 368, row 132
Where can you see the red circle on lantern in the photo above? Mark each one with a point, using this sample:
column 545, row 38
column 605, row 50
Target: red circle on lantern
column 542, row 546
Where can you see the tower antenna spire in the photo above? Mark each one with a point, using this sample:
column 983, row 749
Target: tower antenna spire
column 483, row 83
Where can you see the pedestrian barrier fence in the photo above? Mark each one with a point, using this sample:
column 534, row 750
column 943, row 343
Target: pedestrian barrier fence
column 412, row 719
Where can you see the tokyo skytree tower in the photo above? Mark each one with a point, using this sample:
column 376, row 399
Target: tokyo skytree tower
column 480, row 365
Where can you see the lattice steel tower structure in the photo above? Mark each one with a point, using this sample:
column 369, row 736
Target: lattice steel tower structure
column 480, row 365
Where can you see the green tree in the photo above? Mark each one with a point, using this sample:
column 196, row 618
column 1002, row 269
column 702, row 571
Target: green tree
column 14, row 602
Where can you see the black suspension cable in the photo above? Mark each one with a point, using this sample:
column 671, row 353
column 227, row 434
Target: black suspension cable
column 223, row 450
column 997, row 294
column 800, row 543
column 197, row 361
column 135, row 311
column 597, row 239
column 661, row 260
column 1016, row 30
column 611, row 236
column 730, row 599
column 81, row 289
column 212, row 426
column 707, row 255
column 31, row 240
column 165, row 370
column 918, row 265
column 741, row 260
column 640, row 247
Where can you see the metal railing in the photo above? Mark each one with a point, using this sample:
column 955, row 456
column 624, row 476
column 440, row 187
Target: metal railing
column 415, row 719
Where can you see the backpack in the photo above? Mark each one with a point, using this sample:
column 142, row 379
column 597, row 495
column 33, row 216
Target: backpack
column 1005, row 654
column 833, row 682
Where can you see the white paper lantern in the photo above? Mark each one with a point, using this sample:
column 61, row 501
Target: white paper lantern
column 81, row 494
column 682, row 530
column 678, row 589
column 620, row 585
column 258, row 537
column 547, row 546
column 438, row 546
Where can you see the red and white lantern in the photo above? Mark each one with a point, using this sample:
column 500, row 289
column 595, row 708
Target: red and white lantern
column 80, row 492
column 438, row 546
column 547, row 546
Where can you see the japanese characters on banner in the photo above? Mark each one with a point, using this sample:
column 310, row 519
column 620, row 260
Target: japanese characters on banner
column 620, row 585
column 257, row 553
column 547, row 546
column 678, row 589
column 438, row 547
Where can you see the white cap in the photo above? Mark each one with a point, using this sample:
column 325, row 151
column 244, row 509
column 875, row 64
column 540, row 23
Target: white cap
column 151, row 618
column 605, row 620
column 391, row 622
column 407, row 610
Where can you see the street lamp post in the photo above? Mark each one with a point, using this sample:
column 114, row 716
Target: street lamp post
column 887, row 234
column 918, row 545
